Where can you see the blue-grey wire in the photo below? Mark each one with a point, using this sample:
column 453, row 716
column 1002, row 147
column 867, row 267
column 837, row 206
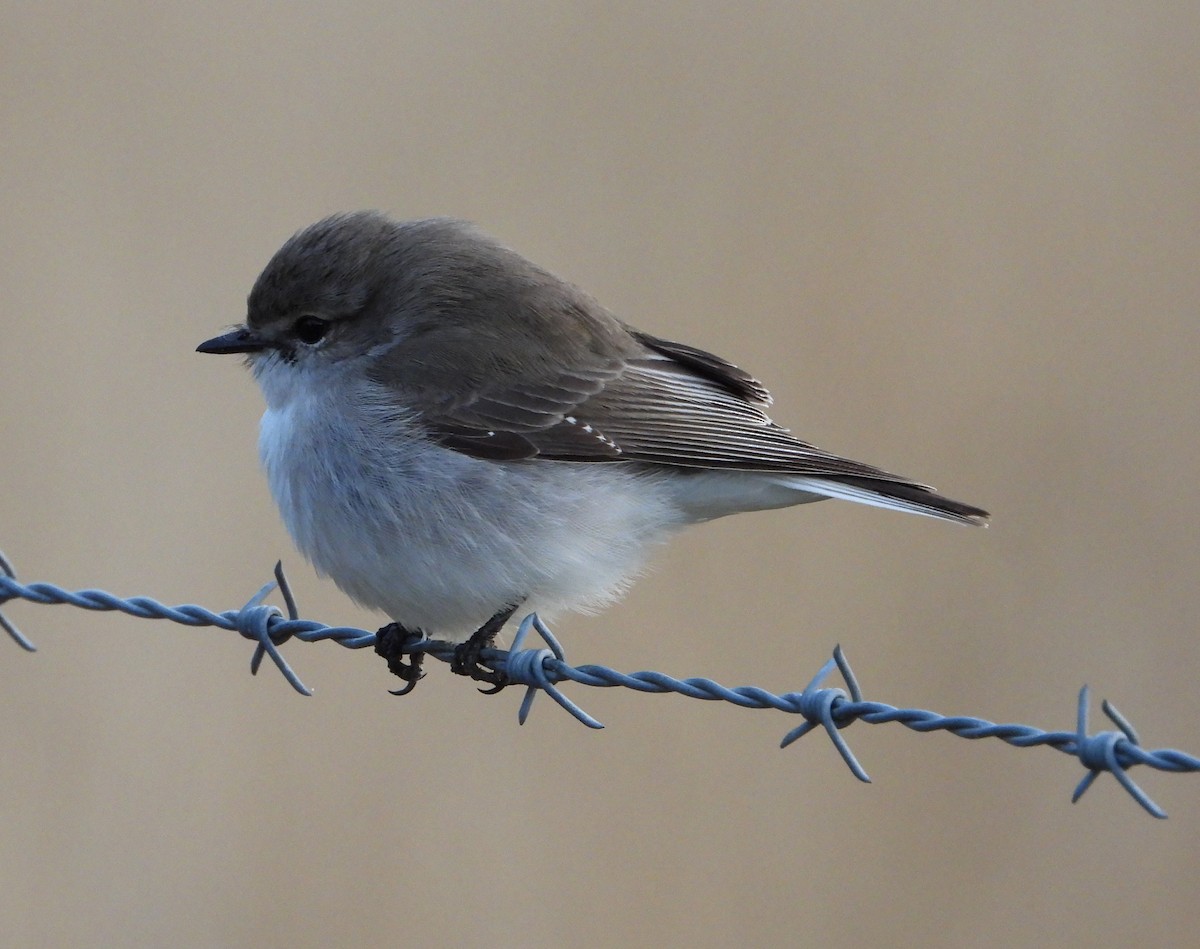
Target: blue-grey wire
column 541, row 669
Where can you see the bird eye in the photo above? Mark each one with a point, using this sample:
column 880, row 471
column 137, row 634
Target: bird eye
column 311, row 329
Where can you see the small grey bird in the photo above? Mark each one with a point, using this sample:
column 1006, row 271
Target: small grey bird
column 452, row 432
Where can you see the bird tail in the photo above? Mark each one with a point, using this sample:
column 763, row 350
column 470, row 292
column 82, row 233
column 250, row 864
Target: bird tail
column 893, row 495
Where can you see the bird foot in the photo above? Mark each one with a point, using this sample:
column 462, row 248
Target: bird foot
column 466, row 661
column 389, row 643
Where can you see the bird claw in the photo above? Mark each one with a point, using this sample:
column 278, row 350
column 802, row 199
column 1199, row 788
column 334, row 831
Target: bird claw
column 390, row 643
column 395, row 642
column 466, row 661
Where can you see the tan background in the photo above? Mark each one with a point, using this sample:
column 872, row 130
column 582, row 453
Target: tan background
column 957, row 240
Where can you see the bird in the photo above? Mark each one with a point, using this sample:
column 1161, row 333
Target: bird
column 453, row 433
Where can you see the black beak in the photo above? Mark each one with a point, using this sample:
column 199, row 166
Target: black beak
column 240, row 340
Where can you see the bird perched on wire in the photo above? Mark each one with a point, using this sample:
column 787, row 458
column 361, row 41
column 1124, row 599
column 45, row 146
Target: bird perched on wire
column 453, row 433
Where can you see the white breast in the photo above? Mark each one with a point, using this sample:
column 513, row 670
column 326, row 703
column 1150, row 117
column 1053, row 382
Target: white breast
column 441, row 541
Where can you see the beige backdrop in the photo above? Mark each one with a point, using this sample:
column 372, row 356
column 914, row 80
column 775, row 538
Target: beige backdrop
column 960, row 241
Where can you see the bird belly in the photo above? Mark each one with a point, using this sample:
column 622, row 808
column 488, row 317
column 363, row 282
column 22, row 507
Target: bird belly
column 440, row 541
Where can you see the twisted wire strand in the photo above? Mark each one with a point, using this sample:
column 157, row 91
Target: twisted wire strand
column 541, row 669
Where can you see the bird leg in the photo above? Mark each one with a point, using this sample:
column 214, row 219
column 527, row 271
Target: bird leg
column 467, row 655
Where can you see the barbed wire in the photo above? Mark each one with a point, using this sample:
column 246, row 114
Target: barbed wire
column 541, row 669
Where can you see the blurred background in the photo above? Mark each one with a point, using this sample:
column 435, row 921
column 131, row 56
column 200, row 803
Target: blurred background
column 958, row 241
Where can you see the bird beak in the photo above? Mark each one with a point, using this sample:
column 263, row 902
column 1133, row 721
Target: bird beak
column 240, row 340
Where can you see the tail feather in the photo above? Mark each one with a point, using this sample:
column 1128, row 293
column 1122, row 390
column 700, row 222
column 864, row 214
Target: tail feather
column 896, row 496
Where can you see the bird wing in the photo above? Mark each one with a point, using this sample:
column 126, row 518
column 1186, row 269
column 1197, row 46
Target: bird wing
column 667, row 404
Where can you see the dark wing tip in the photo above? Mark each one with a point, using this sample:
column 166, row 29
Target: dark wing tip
column 710, row 367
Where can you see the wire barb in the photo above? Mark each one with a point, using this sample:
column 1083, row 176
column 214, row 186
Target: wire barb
column 1104, row 752
column 827, row 707
column 254, row 621
column 543, row 668
column 6, row 568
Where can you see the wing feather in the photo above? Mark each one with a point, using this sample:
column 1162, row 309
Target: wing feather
column 669, row 405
